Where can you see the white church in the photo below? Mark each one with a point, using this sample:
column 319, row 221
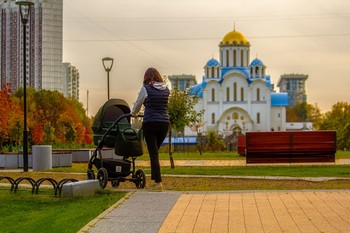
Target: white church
column 236, row 94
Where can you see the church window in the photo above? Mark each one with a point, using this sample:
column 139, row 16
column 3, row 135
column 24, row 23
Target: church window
column 212, row 72
column 213, row 118
column 227, row 94
column 258, row 118
column 213, row 95
column 279, row 115
column 234, row 91
column 234, row 58
column 242, row 94
column 227, row 58
column 258, row 94
column 242, row 58
column 207, row 72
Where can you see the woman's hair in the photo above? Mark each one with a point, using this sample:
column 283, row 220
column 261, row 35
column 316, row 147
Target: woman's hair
column 152, row 75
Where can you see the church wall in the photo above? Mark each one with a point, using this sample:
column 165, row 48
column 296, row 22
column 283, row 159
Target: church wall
column 278, row 119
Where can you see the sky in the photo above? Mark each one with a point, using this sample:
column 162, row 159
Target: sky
column 309, row 37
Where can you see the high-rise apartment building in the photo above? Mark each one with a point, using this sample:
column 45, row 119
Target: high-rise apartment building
column 183, row 81
column 44, row 45
column 294, row 85
column 70, row 81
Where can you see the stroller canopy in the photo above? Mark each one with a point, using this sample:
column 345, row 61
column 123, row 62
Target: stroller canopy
column 109, row 113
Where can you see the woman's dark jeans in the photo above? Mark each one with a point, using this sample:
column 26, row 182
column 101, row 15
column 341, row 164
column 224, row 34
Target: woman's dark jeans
column 154, row 133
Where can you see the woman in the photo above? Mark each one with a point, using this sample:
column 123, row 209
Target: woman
column 154, row 96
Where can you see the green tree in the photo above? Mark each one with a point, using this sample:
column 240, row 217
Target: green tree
column 181, row 113
column 338, row 118
column 214, row 142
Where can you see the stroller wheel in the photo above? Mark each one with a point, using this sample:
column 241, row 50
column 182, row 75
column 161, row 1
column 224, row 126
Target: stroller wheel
column 140, row 179
column 90, row 174
column 102, row 176
column 115, row 183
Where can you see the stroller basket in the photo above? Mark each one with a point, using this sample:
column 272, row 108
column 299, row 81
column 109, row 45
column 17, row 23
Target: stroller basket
column 115, row 168
column 128, row 141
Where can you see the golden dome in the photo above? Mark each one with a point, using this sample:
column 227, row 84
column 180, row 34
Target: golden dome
column 234, row 38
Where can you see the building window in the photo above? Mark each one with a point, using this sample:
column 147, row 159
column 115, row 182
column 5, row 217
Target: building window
column 212, row 72
column 279, row 115
column 258, row 118
column 242, row 58
column 242, row 94
column 213, row 118
column 234, row 91
column 213, row 95
column 258, row 94
column 227, row 94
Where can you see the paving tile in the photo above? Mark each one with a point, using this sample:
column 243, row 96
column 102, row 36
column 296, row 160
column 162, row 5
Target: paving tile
column 246, row 211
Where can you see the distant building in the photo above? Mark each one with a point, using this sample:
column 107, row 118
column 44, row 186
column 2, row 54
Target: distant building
column 44, row 46
column 183, row 81
column 294, row 85
column 71, row 81
column 236, row 94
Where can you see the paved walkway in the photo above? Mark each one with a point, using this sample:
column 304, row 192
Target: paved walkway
column 246, row 211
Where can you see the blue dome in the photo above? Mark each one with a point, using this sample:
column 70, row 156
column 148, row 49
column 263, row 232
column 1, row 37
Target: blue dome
column 198, row 89
column 279, row 99
column 256, row 62
column 213, row 62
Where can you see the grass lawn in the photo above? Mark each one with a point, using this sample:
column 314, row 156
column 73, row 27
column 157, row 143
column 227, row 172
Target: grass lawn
column 24, row 212
column 223, row 155
column 291, row 171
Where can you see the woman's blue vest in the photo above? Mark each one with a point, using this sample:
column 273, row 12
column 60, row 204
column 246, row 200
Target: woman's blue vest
column 156, row 105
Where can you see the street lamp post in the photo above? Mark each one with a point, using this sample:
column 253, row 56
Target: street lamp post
column 107, row 64
column 24, row 8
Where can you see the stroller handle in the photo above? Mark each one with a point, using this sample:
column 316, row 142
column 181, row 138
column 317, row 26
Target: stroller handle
column 124, row 116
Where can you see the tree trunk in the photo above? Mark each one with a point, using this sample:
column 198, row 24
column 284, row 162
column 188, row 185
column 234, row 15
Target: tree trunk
column 172, row 164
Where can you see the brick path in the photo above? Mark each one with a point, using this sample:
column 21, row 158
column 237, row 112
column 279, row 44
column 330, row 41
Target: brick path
column 271, row 211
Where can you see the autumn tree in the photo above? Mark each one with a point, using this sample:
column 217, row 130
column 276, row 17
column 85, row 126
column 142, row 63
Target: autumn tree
column 54, row 119
column 303, row 112
column 10, row 120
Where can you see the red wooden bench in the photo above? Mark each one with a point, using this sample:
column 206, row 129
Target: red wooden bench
column 290, row 147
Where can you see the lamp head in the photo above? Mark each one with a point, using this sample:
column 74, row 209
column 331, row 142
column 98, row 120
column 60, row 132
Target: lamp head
column 24, row 2
column 107, row 63
column 24, row 8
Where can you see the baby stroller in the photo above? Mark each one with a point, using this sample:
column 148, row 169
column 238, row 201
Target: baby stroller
column 111, row 128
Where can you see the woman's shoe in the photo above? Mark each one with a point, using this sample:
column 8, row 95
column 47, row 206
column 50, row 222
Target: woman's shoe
column 157, row 187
